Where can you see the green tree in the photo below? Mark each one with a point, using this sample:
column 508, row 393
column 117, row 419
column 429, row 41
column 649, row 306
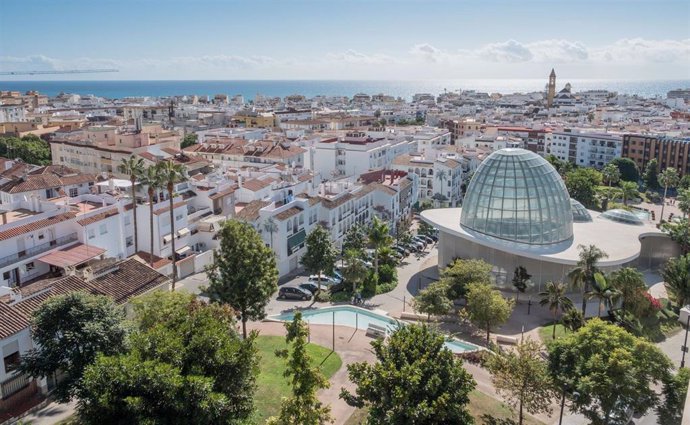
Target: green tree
column 609, row 368
column 627, row 168
column 611, row 174
column 355, row 239
column 631, row 285
column 403, row 235
column 683, row 201
column 629, row 191
column 675, row 390
column 679, row 231
column 522, row 378
column 676, row 276
column 189, row 140
column 667, row 178
column 303, row 407
column 415, row 380
column 171, row 174
column 270, row 226
column 244, row 273
column 554, row 297
column 320, row 256
column 425, row 228
column 134, row 168
column 30, row 149
column 151, row 178
column 462, row 273
column 572, row 320
column 582, row 276
column 563, row 167
column 486, row 307
column 651, row 175
column 604, row 291
column 684, row 182
column 355, row 271
column 69, row 331
column 433, row 300
column 378, row 238
column 187, row 365
column 521, row 279
column 582, row 183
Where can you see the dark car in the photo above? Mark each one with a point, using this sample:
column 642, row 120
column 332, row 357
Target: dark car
column 312, row 287
column 427, row 238
column 290, row 292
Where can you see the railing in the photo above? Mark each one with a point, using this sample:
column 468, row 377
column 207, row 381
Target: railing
column 13, row 385
column 38, row 249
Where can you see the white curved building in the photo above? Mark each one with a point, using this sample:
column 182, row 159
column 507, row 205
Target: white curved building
column 517, row 211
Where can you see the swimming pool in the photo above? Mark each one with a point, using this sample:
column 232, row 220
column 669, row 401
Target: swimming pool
column 355, row 317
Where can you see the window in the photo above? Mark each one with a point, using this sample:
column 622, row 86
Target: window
column 103, row 229
column 30, row 266
column 11, row 361
column 129, row 241
column 6, row 276
column 73, row 192
column 41, row 236
column 92, row 234
column 178, row 217
column 128, row 220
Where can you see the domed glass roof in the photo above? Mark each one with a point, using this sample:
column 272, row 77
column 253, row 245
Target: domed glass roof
column 580, row 213
column 516, row 195
column 622, row 216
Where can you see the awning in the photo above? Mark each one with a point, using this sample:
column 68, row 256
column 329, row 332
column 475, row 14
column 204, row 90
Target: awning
column 167, row 238
column 295, row 241
column 182, row 232
column 72, row 256
column 183, row 251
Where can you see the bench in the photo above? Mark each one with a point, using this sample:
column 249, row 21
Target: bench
column 408, row 315
column 502, row 339
column 376, row 331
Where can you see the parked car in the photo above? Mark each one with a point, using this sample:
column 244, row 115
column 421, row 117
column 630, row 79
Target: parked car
column 419, row 238
column 325, row 280
column 312, row 287
column 291, row 292
column 426, row 238
column 419, row 246
column 401, row 250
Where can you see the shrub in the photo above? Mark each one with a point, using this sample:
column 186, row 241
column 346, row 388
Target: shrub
column 387, row 274
column 653, row 196
column 477, row 358
column 323, row 297
column 385, row 287
column 370, row 285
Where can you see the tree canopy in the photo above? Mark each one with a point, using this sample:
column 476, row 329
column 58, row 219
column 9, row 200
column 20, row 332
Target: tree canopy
column 321, row 254
column 486, row 307
column 676, row 274
column 628, row 169
column 187, row 365
column 582, row 184
column 651, row 175
column 244, row 273
column 670, row 411
column 679, row 231
column 433, row 300
column 189, row 140
column 69, row 331
column 609, row 369
column 30, row 149
column 415, row 379
column 459, row 274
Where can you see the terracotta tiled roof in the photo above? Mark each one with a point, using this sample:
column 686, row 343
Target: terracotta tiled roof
column 158, row 262
column 166, row 209
column 337, row 202
column 131, row 278
column 223, row 193
column 313, row 200
column 251, row 211
column 284, row 215
column 39, row 224
column 11, row 321
column 97, row 217
column 51, row 176
column 257, row 184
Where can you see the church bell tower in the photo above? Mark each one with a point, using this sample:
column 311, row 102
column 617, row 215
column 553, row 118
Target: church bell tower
column 551, row 89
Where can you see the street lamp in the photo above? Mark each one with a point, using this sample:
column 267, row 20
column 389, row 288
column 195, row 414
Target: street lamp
column 684, row 348
column 575, row 395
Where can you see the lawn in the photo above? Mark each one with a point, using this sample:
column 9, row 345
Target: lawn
column 546, row 332
column 480, row 405
column 272, row 385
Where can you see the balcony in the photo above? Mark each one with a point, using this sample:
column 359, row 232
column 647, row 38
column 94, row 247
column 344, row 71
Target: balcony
column 38, row 249
column 13, row 385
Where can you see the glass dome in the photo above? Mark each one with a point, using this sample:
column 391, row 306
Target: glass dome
column 580, row 213
column 516, row 195
column 622, row 216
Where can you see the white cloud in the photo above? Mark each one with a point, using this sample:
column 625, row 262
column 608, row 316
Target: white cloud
column 640, row 50
column 353, row 56
column 509, row 51
column 429, row 53
column 558, row 51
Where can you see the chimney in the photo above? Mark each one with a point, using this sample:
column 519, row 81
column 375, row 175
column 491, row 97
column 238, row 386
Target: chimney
column 239, row 181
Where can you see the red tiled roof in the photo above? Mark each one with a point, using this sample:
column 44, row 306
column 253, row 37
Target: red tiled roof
column 71, row 256
column 36, row 225
column 97, row 217
column 166, row 209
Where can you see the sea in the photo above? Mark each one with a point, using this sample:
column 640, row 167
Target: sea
column 117, row 89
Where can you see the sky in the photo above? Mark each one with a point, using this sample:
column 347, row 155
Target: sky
column 347, row 39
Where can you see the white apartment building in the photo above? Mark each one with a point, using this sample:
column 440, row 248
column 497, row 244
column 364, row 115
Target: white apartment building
column 584, row 149
column 439, row 180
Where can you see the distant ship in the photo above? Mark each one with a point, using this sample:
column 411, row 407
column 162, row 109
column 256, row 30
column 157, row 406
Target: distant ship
column 679, row 94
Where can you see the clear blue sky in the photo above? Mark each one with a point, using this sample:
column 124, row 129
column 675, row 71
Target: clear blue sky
column 332, row 39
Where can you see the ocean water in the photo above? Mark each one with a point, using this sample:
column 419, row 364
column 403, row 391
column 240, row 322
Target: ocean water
column 116, row 89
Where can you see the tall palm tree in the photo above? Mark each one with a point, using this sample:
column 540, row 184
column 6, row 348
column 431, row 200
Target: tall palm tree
column 133, row 167
column 271, row 227
column 629, row 191
column 611, row 174
column 171, row 174
column 555, row 299
column 378, row 238
column 668, row 178
column 683, row 201
column 604, row 291
column 153, row 181
column 582, row 276
column 628, row 282
column 676, row 276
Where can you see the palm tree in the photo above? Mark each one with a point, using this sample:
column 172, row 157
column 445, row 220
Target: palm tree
column 611, row 174
column 152, row 179
column 572, row 319
column 629, row 191
column 676, row 276
column 668, row 178
column 683, row 201
column 133, row 167
column 271, row 227
column 555, row 299
column 582, row 276
column 604, row 291
column 441, row 176
column 628, row 282
column 355, row 271
column 171, row 174
column 378, row 238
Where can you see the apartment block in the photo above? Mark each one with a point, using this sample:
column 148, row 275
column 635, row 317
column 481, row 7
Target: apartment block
column 668, row 151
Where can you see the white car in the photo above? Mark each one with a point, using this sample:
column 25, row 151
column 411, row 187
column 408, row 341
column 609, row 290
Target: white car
column 325, row 280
